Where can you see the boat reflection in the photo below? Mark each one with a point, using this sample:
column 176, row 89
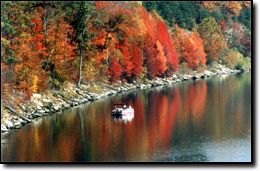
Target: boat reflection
column 124, row 118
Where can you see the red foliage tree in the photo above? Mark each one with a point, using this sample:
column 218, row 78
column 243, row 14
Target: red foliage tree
column 137, row 59
column 223, row 24
column 132, row 60
column 148, row 23
column 157, row 30
column 156, row 60
column 126, row 60
column 114, row 70
column 158, row 54
column 167, row 43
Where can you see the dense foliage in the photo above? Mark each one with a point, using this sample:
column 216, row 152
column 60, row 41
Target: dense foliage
column 45, row 44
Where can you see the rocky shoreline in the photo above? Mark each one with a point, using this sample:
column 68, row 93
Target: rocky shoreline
column 52, row 102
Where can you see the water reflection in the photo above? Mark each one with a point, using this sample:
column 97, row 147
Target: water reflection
column 206, row 120
column 123, row 118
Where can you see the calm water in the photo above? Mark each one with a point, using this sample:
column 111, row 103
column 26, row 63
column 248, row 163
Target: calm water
column 206, row 120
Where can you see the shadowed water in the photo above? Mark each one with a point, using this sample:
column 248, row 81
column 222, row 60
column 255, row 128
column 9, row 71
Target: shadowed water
column 205, row 120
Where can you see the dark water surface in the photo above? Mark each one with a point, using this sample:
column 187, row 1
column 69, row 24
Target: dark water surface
column 206, row 120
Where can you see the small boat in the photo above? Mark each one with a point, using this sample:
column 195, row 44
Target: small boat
column 123, row 111
column 124, row 118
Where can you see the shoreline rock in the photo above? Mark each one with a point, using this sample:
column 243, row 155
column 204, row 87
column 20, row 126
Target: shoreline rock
column 48, row 104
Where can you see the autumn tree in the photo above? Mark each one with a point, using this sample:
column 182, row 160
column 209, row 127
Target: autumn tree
column 127, row 62
column 132, row 58
column 160, row 45
column 164, row 38
column 113, row 25
column 232, row 58
column 223, row 24
column 30, row 52
column 190, row 47
column 85, row 15
column 14, row 21
column 213, row 39
column 118, row 32
column 120, row 29
column 198, row 52
column 59, row 61
column 234, row 7
column 239, row 38
column 137, row 58
column 115, row 69
column 210, row 5
column 156, row 60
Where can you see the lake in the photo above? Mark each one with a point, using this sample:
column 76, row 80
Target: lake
column 193, row 121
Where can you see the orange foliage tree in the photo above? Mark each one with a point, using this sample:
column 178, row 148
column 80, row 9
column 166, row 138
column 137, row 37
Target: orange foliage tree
column 59, row 61
column 210, row 5
column 234, row 7
column 197, row 50
column 30, row 52
column 190, row 47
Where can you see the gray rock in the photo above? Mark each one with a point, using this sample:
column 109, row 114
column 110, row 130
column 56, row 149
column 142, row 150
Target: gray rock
column 46, row 100
column 149, row 85
column 38, row 107
column 66, row 105
column 174, row 77
column 181, row 78
column 142, row 86
column 30, row 116
column 55, row 107
column 194, row 77
column 169, row 81
column 16, row 123
column 41, row 111
column 4, row 128
column 9, row 124
column 97, row 97
column 90, row 98
column 20, row 120
column 185, row 78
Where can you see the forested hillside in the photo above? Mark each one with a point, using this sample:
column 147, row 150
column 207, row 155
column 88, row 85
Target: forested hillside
column 45, row 44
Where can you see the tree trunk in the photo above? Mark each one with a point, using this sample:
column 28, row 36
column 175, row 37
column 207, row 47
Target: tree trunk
column 80, row 65
column 45, row 26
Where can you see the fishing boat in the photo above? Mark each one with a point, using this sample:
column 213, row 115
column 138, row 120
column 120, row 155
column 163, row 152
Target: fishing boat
column 123, row 111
